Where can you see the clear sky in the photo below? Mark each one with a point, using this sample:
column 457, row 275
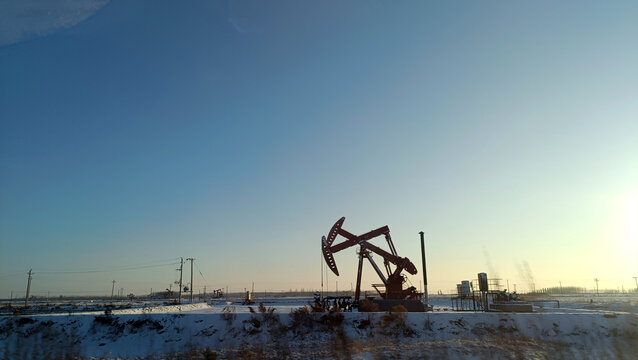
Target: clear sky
column 237, row 132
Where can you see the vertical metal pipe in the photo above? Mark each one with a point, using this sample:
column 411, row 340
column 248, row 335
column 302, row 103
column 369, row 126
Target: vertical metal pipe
column 358, row 289
column 425, row 274
column 321, row 272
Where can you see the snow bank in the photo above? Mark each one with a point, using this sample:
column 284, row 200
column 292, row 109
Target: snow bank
column 132, row 333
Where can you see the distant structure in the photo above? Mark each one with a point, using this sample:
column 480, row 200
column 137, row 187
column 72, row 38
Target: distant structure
column 484, row 294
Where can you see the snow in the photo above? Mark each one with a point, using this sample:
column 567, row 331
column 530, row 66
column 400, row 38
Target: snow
column 577, row 329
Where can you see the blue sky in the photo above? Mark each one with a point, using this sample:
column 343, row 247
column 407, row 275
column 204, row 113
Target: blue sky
column 239, row 132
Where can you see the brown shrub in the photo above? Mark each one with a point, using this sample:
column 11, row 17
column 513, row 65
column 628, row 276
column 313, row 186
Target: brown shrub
column 332, row 320
column 394, row 324
column 268, row 314
column 228, row 314
column 301, row 320
column 368, row 306
column 209, row 354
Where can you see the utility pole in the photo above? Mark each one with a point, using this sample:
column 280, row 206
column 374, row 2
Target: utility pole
column 112, row 289
column 204, row 293
column 636, row 280
column 596, row 280
column 26, row 299
column 560, row 283
column 181, row 267
column 191, row 259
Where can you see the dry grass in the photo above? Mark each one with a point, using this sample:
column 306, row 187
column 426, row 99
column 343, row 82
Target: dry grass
column 368, row 306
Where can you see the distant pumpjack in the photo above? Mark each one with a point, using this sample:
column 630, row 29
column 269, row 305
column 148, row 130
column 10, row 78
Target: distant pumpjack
column 393, row 281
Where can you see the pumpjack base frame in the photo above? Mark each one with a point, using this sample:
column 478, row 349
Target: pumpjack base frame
column 409, row 304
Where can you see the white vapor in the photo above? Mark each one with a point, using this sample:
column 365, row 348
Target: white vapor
column 22, row 20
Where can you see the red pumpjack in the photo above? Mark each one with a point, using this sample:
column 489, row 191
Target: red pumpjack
column 393, row 281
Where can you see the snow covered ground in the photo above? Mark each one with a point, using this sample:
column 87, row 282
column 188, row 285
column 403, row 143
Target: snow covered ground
column 580, row 328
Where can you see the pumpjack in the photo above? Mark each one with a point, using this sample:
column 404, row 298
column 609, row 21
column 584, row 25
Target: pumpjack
column 393, row 279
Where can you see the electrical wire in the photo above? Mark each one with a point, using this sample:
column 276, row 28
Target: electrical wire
column 200, row 271
column 13, row 274
column 145, row 265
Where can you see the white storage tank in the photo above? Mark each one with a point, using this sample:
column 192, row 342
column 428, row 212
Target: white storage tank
column 465, row 289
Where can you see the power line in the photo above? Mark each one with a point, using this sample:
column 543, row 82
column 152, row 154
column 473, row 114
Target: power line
column 12, row 274
column 200, row 272
column 143, row 263
column 98, row 270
